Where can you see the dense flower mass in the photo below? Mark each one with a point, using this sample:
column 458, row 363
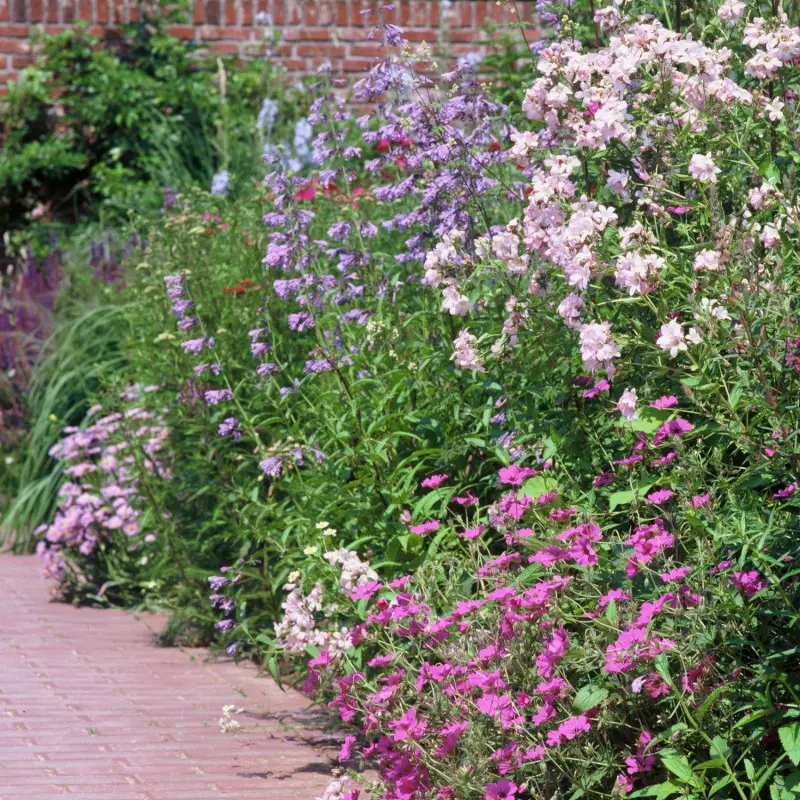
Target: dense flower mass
column 489, row 431
column 105, row 462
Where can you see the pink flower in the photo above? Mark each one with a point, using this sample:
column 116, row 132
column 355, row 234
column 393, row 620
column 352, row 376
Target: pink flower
column 627, row 404
column 751, row 582
column 604, row 479
column 600, row 386
column 400, row 583
column 700, row 500
column 675, row 575
column 660, row 462
column 554, row 649
column 450, row 736
column 346, row 753
column 660, row 496
column 426, row 527
column 665, row 401
column 787, row 491
column 515, row 475
column 468, row 499
column 434, row 481
column 568, row 730
column 366, row 590
column 679, row 209
column 472, row 533
column 702, row 168
column 381, row 661
column 501, row 790
column 546, row 497
column 408, row 726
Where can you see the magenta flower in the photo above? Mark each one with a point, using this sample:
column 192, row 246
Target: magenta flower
column 501, row 790
column 408, row 726
column 450, row 736
column 366, row 590
column 515, row 475
column 426, row 527
column 665, row 401
column 660, row 462
column 675, row 575
column 604, row 479
column 660, row 496
column 346, row 753
column 434, row 481
column 546, row 497
column 700, row 500
column 751, row 582
column 787, row 491
column 600, row 386
column 568, row 730
column 472, row 533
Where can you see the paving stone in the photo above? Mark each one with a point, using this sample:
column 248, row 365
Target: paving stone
column 91, row 708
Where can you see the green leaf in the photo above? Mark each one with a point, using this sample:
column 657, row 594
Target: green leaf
column 790, row 739
column 720, row 748
column 538, row 485
column 589, row 697
column 628, row 496
column 679, row 766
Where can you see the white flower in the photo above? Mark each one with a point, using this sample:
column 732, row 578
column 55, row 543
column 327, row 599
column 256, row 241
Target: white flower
column 770, row 237
column 320, row 526
column 711, row 307
column 702, row 168
column 310, row 550
column 627, row 404
column 774, row 110
column 671, row 338
column 597, row 347
column 707, row 260
column 456, row 303
column 693, row 336
column 731, row 11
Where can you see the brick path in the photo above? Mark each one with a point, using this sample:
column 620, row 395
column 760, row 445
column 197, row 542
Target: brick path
column 89, row 708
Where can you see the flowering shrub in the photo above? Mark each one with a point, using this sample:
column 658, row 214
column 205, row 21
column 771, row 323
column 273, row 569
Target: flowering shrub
column 101, row 502
column 493, row 417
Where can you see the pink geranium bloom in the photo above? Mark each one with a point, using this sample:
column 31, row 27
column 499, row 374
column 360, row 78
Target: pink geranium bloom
column 426, row 527
column 366, row 590
column 472, row 533
column 468, row 499
column 515, row 475
column 434, row 481
column 660, row 496
column 347, row 748
column 787, row 491
column 568, row 730
column 501, row 790
column 665, row 401
column 751, row 582
column 700, row 500
column 408, row 726
column 450, row 736
column 675, row 575
column 546, row 497
column 600, row 386
column 660, row 462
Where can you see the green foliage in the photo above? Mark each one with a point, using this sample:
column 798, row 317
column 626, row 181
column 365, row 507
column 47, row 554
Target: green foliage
column 109, row 123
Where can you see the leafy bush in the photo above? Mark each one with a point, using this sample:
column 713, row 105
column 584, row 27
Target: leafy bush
column 108, row 124
column 502, row 429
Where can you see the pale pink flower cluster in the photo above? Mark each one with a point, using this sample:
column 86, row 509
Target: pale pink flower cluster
column 465, row 353
column 355, row 572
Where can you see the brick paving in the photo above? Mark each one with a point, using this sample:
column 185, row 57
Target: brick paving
column 90, row 708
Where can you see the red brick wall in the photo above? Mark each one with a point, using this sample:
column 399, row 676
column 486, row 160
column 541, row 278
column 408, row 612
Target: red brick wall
column 312, row 30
